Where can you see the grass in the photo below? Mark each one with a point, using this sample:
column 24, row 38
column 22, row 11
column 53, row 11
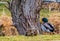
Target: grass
column 44, row 13
column 7, row 12
column 31, row 38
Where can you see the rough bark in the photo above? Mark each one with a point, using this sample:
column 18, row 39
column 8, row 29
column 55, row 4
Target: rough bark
column 25, row 14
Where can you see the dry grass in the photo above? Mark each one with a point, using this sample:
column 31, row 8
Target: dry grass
column 7, row 28
column 55, row 19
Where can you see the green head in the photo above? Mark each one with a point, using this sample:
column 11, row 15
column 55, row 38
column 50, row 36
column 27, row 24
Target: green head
column 44, row 20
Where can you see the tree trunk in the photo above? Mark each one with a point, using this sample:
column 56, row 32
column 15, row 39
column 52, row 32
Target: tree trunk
column 25, row 14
